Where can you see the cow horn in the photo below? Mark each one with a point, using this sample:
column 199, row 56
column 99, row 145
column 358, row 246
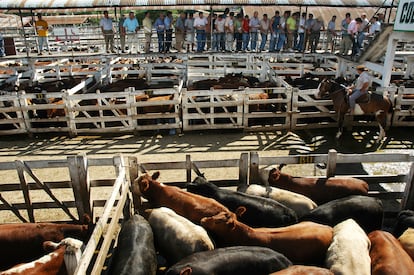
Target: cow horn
column 281, row 166
column 196, row 170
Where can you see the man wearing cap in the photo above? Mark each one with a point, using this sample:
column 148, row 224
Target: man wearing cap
column 360, row 87
column 42, row 31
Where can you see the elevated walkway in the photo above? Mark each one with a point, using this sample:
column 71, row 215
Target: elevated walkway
column 377, row 48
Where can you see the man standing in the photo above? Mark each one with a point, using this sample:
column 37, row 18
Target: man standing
column 220, row 36
column 330, row 35
column 147, row 23
column 246, row 32
column 131, row 27
column 274, row 31
column 308, row 24
column 200, row 25
column 180, row 32
column 168, row 21
column 122, row 32
column 264, row 30
column 254, row 25
column 362, row 29
column 42, row 28
column 189, row 32
column 160, row 28
column 238, row 32
column 108, row 32
column 346, row 42
column 353, row 34
column 229, row 29
column 291, row 29
column 315, row 35
column 301, row 33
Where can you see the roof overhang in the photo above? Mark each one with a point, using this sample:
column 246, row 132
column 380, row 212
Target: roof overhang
column 85, row 4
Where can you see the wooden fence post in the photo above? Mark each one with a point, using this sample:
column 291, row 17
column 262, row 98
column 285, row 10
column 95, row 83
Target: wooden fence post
column 188, row 167
column 331, row 165
column 25, row 190
column 133, row 174
column 408, row 198
column 78, row 170
column 244, row 169
column 254, row 167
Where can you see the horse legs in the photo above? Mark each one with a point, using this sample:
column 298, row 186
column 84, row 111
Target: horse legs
column 381, row 119
column 340, row 125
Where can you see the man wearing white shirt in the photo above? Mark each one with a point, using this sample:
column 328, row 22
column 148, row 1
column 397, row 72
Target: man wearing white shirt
column 108, row 32
column 254, row 25
column 200, row 25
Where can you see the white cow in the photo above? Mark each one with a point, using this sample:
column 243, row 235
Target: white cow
column 176, row 236
column 298, row 202
column 349, row 250
column 407, row 241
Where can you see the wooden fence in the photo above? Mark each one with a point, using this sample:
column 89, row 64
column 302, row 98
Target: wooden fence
column 76, row 189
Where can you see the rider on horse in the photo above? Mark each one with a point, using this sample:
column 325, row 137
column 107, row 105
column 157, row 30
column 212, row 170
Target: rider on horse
column 360, row 87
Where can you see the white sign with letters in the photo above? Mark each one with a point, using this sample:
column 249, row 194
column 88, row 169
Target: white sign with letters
column 404, row 21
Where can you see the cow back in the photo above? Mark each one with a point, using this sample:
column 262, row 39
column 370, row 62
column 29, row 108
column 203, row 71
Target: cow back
column 366, row 211
column 297, row 202
column 240, row 260
column 135, row 252
column 407, row 241
column 349, row 250
column 175, row 236
column 30, row 236
column 387, row 255
column 303, row 270
column 259, row 211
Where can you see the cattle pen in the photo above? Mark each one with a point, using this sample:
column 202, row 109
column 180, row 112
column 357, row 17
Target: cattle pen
column 81, row 191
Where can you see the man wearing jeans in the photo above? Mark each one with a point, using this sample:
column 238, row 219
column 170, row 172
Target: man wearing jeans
column 2, row 52
column 42, row 31
column 200, row 25
column 254, row 28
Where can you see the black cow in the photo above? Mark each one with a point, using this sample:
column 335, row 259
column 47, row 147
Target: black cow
column 135, row 252
column 252, row 210
column 405, row 220
column 240, row 260
column 366, row 211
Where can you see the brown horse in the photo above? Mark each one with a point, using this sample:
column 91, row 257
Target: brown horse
column 376, row 104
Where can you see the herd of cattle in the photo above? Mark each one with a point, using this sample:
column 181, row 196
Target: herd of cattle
column 285, row 225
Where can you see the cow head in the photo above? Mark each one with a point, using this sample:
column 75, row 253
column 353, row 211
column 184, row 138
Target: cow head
column 142, row 184
column 222, row 222
column 186, row 271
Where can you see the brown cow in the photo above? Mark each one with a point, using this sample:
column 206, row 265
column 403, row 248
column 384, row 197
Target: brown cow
column 305, row 242
column 319, row 190
column 52, row 263
column 303, row 270
column 388, row 256
column 191, row 206
column 24, row 242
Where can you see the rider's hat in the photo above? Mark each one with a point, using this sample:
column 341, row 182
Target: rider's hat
column 361, row 68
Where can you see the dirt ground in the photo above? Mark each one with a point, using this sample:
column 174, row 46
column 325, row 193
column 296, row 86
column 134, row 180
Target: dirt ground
column 202, row 145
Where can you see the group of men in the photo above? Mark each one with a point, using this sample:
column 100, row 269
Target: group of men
column 229, row 32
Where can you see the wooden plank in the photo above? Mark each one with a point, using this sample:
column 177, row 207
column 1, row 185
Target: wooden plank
column 101, row 225
column 408, row 199
column 25, row 190
column 78, row 171
column 12, row 208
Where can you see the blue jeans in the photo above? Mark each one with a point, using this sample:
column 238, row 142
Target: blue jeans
column 43, row 41
column 281, row 41
column 161, row 41
column 2, row 53
column 254, row 41
column 353, row 97
column 245, row 38
column 264, row 40
column 273, row 41
column 300, row 44
column 201, row 40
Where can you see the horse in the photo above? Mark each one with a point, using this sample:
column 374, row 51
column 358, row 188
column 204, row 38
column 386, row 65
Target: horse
column 380, row 106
